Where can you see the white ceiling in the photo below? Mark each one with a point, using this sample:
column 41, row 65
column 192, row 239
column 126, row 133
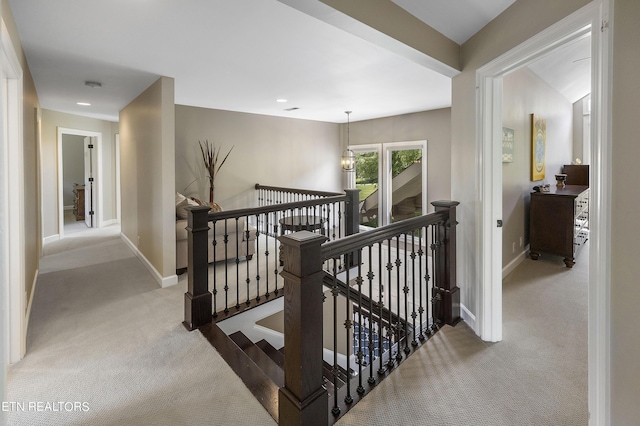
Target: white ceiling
column 238, row 55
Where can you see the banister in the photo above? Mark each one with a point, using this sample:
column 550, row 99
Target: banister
column 297, row 191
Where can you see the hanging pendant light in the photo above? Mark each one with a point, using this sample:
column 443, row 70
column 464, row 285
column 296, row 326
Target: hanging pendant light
column 348, row 156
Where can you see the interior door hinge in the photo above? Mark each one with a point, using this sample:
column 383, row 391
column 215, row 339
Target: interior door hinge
column 90, row 146
column 499, row 223
column 604, row 26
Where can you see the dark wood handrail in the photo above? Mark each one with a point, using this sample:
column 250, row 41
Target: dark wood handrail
column 231, row 214
column 364, row 239
column 298, row 191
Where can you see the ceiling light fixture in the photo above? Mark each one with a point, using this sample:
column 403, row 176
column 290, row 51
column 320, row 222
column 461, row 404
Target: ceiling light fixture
column 281, row 100
column 94, row 84
column 83, row 103
column 348, row 156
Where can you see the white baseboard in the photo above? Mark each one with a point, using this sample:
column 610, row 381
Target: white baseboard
column 515, row 262
column 68, row 207
column 108, row 222
column 162, row 281
column 50, row 239
column 468, row 317
column 30, row 304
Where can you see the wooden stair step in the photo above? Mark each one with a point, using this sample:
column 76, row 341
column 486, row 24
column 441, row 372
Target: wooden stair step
column 273, row 353
column 261, row 359
column 328, row 374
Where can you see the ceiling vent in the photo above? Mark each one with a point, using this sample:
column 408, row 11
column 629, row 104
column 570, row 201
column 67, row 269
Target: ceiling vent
column 291, row 109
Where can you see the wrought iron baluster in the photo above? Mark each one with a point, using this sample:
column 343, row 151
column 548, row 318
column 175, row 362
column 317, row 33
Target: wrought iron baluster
column 215, row 275
column 347, row 325
column 435, row 296
column 360, row 354
column 266, row 252
column 257, row 259
column 334, row 293
column 405, row 317
column 398, row 325
column 414, row 315
column 381, row 369
column 371, row 345
column 226, row 268
column 237, row 262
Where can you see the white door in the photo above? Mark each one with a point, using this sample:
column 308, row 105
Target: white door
column 89, row 198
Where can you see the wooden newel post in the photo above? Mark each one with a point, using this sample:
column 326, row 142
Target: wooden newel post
column 303, row 399
column 445, row 274
column 352, row 225
column 197, row 299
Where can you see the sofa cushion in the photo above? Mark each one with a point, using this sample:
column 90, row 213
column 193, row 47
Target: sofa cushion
column 181, row 207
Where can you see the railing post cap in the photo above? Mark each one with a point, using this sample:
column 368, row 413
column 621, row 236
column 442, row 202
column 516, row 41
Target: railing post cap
column 198, row 209
column 302, row 238
column 445, row 203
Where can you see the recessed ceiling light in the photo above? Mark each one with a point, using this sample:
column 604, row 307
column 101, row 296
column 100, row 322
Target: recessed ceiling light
column 83, row 103
column 281, row 100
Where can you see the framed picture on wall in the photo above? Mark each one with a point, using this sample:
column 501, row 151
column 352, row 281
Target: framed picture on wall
column 538, row 146
column 507, row 145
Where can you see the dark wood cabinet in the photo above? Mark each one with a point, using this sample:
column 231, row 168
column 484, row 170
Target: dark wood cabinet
column 559, row 222
column 78, row 202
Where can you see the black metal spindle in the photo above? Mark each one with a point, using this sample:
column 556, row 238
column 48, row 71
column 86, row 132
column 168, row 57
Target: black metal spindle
column 405, row 289
column 371, row 346
column 257, row 252
column 215, row 281
column 414, row 315
column 334, row 292
column 347, row 325
column 360, row 354
column 434, row 277
column 381, row 369
column 398, row 325
column 226, row 269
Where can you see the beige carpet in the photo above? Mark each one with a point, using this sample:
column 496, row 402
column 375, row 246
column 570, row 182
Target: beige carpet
column 536, row 376
column 102, row 332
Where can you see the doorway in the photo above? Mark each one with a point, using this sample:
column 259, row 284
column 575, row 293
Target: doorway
column 392, row 178
column 78, row 179
column 589, row 19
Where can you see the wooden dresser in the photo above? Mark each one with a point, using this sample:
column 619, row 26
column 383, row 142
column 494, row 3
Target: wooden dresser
column 78, row 202
column 559, row 222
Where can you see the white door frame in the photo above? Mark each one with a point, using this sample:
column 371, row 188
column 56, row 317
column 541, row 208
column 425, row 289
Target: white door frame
column 97, row 174
column 12, row 199
column 592, row 18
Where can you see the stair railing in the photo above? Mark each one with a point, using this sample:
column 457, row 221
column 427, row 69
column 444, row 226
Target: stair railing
column 233, row 282
column 402, row 286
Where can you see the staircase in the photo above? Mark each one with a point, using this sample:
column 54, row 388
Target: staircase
column 260, row 365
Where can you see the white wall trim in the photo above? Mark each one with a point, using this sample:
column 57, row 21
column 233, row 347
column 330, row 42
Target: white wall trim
column 587, row 19
column 511, row 266
column 162, row 281
column 50, row 239
column 109, row 222
column 467, row 316
column 30, row 303
column 12, row 92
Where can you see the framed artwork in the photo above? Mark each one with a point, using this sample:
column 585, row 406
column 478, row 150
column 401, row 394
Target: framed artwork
column 538, row 146
column 507, row 145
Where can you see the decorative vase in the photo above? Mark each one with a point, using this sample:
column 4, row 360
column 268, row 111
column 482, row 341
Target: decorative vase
column 560, row 178
column 215, row 207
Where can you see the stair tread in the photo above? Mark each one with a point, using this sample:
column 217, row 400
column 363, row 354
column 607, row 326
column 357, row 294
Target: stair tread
column 262, row 360
column 273, row 353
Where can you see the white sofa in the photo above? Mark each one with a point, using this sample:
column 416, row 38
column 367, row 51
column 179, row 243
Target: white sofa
column 238, row 244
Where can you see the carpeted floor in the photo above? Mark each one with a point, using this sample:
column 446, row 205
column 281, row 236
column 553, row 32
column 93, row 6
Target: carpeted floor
column 103, row 333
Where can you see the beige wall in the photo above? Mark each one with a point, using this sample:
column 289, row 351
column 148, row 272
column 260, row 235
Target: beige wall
column 51, row 121
column 625, row 227
column 525, row 93
column 267, row 150
column 147, row 152
column 433, row 126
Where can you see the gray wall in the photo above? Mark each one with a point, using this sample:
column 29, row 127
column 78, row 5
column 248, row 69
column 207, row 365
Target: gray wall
column 72, row 166
column 267, row 150
column 434, row 126
column 625, row 227
column 525, row 93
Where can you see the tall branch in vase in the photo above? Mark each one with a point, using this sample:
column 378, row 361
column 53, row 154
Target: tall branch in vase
column 210, row 157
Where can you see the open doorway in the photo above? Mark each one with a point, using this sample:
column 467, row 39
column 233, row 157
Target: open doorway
column 78, row 182
column 588, row 20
